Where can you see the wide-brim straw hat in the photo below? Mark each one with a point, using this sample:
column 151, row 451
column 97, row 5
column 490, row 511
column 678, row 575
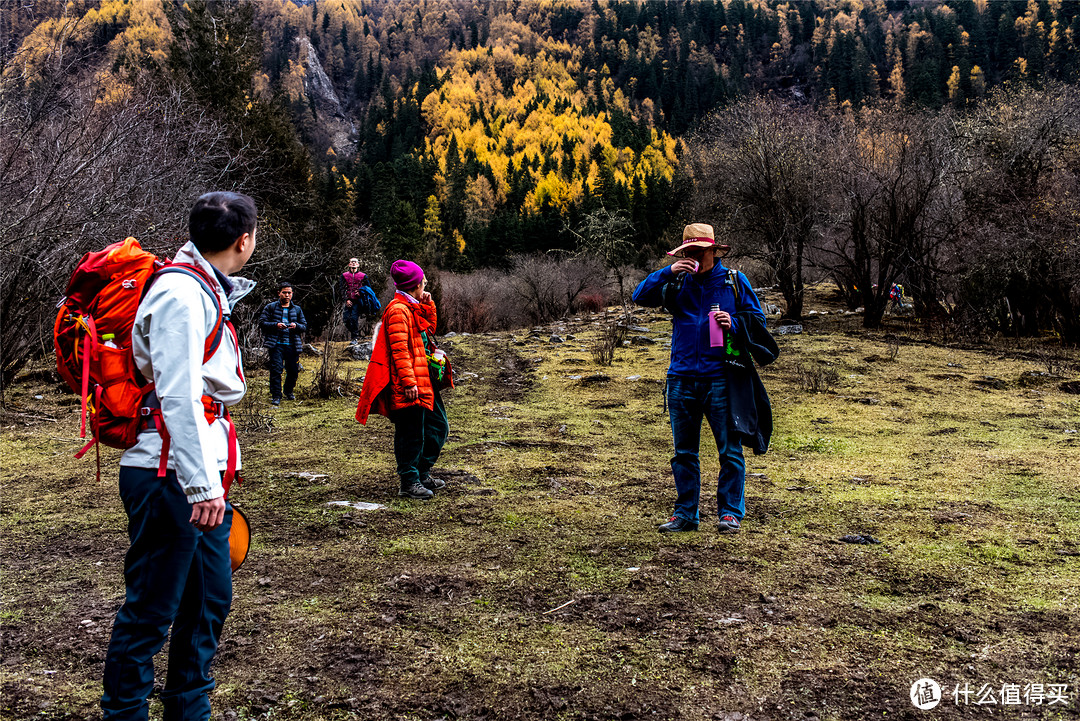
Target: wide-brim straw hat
column 699, row 235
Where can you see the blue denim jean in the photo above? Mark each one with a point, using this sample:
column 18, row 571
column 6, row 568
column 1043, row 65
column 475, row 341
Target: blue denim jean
column 351, row 315
column 178, row 577
column 689, row 401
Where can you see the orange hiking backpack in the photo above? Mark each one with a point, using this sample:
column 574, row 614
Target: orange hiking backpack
column 92, row 337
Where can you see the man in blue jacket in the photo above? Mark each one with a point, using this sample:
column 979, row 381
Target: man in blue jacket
column 698, row 292
column 283, row 324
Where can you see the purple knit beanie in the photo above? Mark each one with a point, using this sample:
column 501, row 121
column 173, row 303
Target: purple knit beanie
column 406, row 274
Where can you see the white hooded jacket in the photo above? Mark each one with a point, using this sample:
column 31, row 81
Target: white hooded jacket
column 171, row 327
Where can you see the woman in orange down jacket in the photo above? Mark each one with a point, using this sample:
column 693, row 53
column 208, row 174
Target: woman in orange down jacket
column 398, row 384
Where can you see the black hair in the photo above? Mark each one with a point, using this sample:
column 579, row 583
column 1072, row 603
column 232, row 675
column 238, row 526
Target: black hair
column 218, row 219
column 284, row 284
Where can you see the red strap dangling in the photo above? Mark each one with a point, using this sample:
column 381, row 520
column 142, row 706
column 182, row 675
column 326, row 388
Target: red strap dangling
column 230, row 464
column 163, row 463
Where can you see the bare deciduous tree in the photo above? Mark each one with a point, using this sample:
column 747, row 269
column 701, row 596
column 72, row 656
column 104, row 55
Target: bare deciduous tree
column 894, row 204
column 1019, row 269
column 84, row 164
column 759, row 168
column 607, row 237
column 549, row 285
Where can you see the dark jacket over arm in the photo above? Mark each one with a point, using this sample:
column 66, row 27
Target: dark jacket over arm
column 751, row 412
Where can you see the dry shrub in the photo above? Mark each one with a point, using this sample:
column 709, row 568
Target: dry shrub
column 328, row 381
column 479, row 302
column 892, row 345
column 550, row 285
column 251, row 415
column 611, row 339
column 591, row 302
column 817, row 377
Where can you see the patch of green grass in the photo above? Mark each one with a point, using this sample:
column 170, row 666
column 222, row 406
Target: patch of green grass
column 455, row 606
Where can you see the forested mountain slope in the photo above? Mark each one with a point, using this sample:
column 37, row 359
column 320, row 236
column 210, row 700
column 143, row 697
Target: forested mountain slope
column 456, row 132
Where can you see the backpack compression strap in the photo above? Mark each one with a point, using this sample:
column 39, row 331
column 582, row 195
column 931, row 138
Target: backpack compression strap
column 212, row 408
column 194, row 271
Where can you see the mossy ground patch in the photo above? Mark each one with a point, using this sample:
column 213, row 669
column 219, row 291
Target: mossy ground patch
column 536, row 585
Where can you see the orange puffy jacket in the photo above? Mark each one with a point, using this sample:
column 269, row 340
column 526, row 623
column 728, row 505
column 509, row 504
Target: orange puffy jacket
column 398, row 360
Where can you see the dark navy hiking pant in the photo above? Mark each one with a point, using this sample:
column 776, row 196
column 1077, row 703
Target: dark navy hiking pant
column 351, row 315
column 176, row 576
column 283, row 357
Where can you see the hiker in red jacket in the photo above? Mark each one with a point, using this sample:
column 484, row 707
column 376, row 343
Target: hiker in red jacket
column 398, row 382
column 177, row 572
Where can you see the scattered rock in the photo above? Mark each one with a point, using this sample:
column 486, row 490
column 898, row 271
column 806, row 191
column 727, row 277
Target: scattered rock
column 633, row 378
column 1033, row 379
column 555, row 339
column 359, row 505
column 358, row 351
column 308, row 476
column 864, row 540
column 990, row 382
column 309, row 349
column 642, row 340
column 451, row 334
column 789, row 329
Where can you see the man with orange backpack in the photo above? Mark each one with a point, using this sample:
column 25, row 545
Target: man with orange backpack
column 173, row 481
column 399, row 383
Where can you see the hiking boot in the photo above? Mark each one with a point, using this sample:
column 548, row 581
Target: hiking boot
column 728, row 524
column 677, row 525
column 433, row 484
column 290, row 396
column 275, row 401
column 415, row 491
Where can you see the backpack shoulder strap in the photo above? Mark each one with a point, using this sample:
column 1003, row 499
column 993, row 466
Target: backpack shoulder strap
column 214, row 339
column 733, row 279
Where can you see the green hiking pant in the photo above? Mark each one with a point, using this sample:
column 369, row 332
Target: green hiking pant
column 419, row 435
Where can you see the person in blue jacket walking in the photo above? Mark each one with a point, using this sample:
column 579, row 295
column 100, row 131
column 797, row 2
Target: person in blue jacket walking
column 700, row 292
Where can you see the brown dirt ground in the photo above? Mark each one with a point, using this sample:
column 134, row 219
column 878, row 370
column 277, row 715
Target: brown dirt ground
column 536, row 587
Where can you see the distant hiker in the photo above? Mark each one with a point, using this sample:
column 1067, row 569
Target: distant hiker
column 399, row 382
column 360, row 299
column 717, row 326
column 283, row 325
column 177, row 571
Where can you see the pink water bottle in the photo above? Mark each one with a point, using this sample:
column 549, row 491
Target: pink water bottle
column 716, row 333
